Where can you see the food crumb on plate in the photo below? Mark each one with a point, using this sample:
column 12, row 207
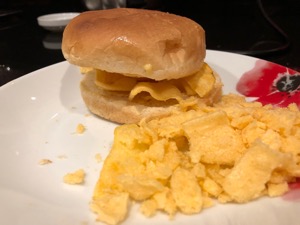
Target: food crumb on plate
column 76, row 177
column 80, row 128
column 62, row 157
column 45, row 161
column 98, row 157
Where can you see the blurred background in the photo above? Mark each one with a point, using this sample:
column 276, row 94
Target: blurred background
column 266, row 29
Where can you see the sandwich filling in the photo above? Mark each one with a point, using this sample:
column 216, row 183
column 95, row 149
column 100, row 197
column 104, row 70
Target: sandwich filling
column 200, row 84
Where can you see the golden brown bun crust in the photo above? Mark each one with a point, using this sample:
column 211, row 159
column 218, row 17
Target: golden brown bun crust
column 124, row 40
column 114, row 106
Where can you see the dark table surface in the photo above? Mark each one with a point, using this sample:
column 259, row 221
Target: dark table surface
column 266, row 29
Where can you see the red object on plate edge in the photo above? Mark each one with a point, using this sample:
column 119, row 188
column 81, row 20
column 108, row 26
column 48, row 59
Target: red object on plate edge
column 294, row 192
column 273, row 84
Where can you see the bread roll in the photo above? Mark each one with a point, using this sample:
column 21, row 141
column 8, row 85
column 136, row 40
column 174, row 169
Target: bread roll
column 126, row 40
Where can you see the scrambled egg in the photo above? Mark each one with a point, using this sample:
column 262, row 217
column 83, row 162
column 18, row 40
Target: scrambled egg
column 235, row 151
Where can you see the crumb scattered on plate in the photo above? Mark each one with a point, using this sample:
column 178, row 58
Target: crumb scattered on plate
column 45, row 161
column 80, row 128
column 98, row 157
column 62, row 157
column 76, row 177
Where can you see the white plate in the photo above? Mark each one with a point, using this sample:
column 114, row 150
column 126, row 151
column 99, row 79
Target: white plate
column 56, row 21
column 39, row 115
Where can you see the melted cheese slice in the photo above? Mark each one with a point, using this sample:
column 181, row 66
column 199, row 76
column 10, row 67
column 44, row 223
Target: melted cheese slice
column 114, row 81
column 161, row 91
column 200, row 83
